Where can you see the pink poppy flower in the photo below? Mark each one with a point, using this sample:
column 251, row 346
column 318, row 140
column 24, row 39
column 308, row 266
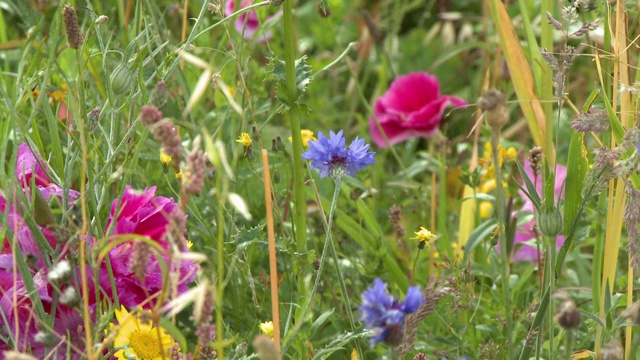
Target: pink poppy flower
column 143, row 213
column 247, row 23
column 523, row 249
column 30, row 165
column 68, row 325
column 412, row 107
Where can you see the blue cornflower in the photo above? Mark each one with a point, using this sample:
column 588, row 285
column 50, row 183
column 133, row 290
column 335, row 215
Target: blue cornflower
column 382, row 313
column 331, row 158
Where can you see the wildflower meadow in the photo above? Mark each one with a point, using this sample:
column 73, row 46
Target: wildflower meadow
column 319, row 179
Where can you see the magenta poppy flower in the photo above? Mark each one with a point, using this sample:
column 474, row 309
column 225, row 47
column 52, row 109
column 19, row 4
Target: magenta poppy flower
column 247, row 23
column 68, row 325
column 524, row 249
column 412, row 107
column 143, row 213
column 29, row 166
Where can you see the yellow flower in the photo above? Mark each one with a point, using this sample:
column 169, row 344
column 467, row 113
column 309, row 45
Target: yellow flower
column 424, row 236
column 306, row 136
column 189, row 244
column 485, row 209
column 165, row 159
column 179, row 175
column 267, row 328
column 139, row 340
column 245, row 140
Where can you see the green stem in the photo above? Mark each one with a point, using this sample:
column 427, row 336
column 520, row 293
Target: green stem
column 328, row 241
column 551, row 282
column 334, row 255
column 293, row 116
column 568, row 344
column 504, row 253
column 221, row 190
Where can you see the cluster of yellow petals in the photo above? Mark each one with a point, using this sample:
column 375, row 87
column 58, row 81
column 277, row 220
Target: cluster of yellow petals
column 489, row 183
column 245, row 140
column 139, row 339
column 307, row 135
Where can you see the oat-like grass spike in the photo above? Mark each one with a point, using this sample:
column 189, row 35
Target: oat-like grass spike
column 74, row 37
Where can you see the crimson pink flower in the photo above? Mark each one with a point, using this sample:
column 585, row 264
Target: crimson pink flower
column 30, row 165
column 247, row 23
column 143, row 213
column 412, row 107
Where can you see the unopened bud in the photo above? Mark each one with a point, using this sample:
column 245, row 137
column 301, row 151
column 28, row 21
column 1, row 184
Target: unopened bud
column 70, row 297
column 45, row 338
column 493, row 104
column 324, row 11
column 568, row 316
column 612, row 351
column 121, row 79
column 60, row 272
column 159, row 95
column 102, row 19
column 549, row 222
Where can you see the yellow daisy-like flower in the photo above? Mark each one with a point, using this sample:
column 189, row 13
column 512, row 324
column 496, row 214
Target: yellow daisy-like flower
column 245, row 140
column 165, row 159
column 139, row 340
column 424, row 236
column 306, row 136
column 267, row 328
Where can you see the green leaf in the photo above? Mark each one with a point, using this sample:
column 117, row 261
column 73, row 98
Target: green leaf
column 530, row 191
column 476, row 237
column 320, row 320
column 577, row 167
column 302, row 74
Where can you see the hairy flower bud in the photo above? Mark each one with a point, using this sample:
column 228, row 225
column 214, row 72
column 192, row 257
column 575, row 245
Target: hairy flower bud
column 493, row 104
column 568, row 315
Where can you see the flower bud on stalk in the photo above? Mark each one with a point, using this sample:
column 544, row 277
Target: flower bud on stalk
column 549, row 222
column 493, row 104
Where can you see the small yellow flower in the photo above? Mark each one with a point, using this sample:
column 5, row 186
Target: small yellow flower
column 245, row 140
column 485, row 209
column 165, row 159
column 189, row 244
column 424, row 236
column 179, row 175
column 267, row 328
column 57, row 95
column 139, row 340
column 306, row 136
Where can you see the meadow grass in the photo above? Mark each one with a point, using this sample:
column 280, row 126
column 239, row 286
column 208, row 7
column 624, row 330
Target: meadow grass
column 161, row 200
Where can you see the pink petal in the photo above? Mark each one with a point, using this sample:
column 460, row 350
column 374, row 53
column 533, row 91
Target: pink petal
column 410, row 93
column 27, row 166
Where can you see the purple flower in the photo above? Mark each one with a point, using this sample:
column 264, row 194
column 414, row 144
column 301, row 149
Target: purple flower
column 384, row 314
column 247, row 23
column 331, row 158
column 412, row 107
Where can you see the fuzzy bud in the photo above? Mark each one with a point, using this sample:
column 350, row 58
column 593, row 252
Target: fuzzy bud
column 549, row 222
column 60, row 272
column 70, row 297
column 102, row 19
column 150, row 115
column 612, row 351
column 633, row 313
column 568, row 316
column 159, row 95
column 596, row 120
column 324, row 11
column 74, row 37
column 493, row 104
column 93, row 118
column 45, row 338
column 193, row 171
